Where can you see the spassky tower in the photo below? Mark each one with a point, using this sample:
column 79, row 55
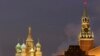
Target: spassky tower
column 86, row 36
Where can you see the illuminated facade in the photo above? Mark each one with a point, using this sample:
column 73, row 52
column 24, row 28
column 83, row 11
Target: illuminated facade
column 86, row 36
column 29, row 49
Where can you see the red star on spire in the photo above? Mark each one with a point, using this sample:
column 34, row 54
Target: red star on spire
column 85, row 2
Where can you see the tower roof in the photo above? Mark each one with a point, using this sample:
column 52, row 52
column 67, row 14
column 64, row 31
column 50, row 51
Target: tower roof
column 29, row 38
column 85, row 33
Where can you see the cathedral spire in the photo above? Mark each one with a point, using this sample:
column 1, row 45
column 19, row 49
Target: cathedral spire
column 29, row 38
column 29, row 41
column 29, row 30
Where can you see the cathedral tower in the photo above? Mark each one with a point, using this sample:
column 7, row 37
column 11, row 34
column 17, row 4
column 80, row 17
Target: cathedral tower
column 29, row 42
column 18, row 49
column 23, row 47
column 28, row 48
column 86, row 36
column 38, row 49
column 32, row 52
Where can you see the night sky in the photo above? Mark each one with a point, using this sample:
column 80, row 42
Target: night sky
column 55, row 22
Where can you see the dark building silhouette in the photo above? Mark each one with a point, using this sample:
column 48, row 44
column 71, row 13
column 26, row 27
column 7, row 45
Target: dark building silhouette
column 74, row 50
column 60, row 55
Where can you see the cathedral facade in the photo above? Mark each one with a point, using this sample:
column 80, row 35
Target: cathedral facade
column 29, row 48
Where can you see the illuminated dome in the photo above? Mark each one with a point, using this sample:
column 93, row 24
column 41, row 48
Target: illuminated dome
column 23, row 46
column 32, row 50
column 18, row 45
column 38, row 45
column 95, row 51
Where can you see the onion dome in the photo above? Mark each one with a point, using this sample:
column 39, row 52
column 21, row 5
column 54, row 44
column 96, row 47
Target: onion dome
column 23, row 46
column 18, row 45
column 32, row 50
column 38, row 45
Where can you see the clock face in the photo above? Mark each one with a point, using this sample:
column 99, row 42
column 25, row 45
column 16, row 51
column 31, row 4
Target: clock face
column 86, row 29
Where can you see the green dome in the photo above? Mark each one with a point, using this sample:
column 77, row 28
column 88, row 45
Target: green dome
column 38, row 45
column 18, row 45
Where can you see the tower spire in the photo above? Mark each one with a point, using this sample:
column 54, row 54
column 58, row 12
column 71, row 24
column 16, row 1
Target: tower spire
column 29, row 38
column 85, row 12
column 29, row 30
column 85, row 2
column 38, row 40
column 29, row 41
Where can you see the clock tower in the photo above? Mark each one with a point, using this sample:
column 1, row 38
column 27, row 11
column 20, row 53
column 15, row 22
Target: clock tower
column 86, row 36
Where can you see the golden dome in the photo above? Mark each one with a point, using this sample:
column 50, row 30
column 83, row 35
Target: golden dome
column 32, row 50
column 38, row 45
column 18, row 45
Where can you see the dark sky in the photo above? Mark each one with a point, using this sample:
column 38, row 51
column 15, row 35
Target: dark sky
column 55, row 22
